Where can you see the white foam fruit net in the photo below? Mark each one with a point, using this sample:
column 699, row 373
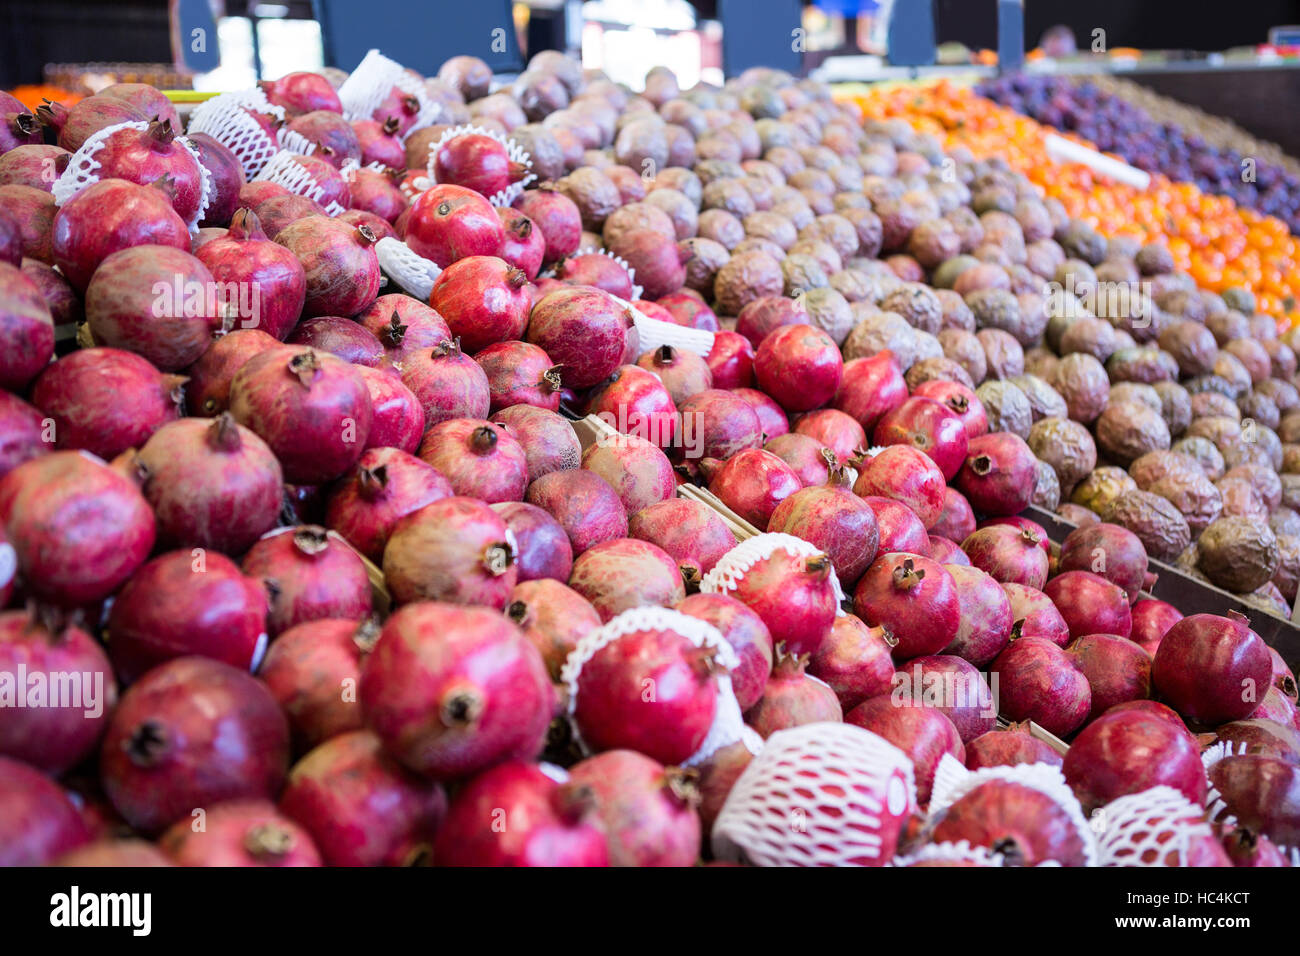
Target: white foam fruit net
column 1151, row 828
column 951, row 853
column 226, row 119
column 823, row 794
column 292, row 141
column 952, row 781
column 656, row 333
column 407, row 268
column 371, row 82
column 83, row 168
column 285, row 170
column 728, row 725
column 516, row 153
column 731, row 569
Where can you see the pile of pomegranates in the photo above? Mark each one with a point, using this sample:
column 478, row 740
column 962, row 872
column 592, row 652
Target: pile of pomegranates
column 510, row 575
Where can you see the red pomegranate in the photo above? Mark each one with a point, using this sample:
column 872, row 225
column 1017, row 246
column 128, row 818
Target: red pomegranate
column 999, row 474
column 386, row 485
column 907, row 475
column 959, row 400
column 683, row 373
column 1152, row 619
column 1027, row 826
column 1038, row 681
column 456, row 550
column 1035, row 615
column 40, row 821
column 636, row 402
column 478, row 162
column 900, row 528
column 636, row 469
column 522, row 244
column 1128, row 752
column 1115, row 553
column 624, row 573
column 483, row 300
column 986, row 616
column 752, row 483
column 584, row 504
column 448, row 383
column 1212, row 669
column 800, row 366
column 914, row 598
column 556, row 215
column 695, row 536
column 1008, row 748
column 240, row 833
column 835, row 520
column 921, row 732
column 26, row 329
column 928, row 426
column 771, row 417
column 309, row 576
column 302, row 92
column 339, row 264
column 855, row 660
column 263, row 281
column 870, row 388
column 542, row 547
column 583, row 330
column 146, row 156
column 1090, row 604
column 480, row 460
column 835, row 430
column 1008, row 555
column 792, row 697
column 450, row 222
column 718, row 424
column 554, row 617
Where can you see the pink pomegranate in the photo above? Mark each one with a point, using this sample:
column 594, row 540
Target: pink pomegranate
column 1212, row 669
column 339, row 264
column 583, row 330
column 226, row 175
column 810, row 460
column 855, row 660
column 870, row 388
column 957, row 521
column 835, row 430
column 647, row 810
column 1035, row 614
column 398, row 417
column 947, row 552
column 549, row 441
column 959, row 400
column 584, row 504
column 456, row 550
column 792, row 697
column 280, row 211
column 748, row 636
column 1026, row 826
column 771, row 417
column 900, row 529
column 611, row 709
column 335, row 140
column 636, row 402
column 311, row 408
column 86, row 118
column 554, row 617
column 683, row 373
column 22, row 434
column 302, row 93
column 1113, row 552
column 307, row 671
column 1113, row 756
column 35, row 165
column 482, row 299
column 453, row 690
column 191, row 733
column 522, row 244
column 264, row 283
column 636, row 469
column 79, row 528
column 556, row 215
column 1008, row 748
column 240, row 833
column 180, row 604
column 907, row 475
column 1090, row 604
column 1260, row 792
column 18, row 126
column 450, row 222
column 515, row 814
column 480, row 460
column 752, row 483
column 694, row 535
column 835, row 520
column 1008, row 554
column 624, row 573
column 309, row 576
column 928, row 426
column 448, row 383
column 986, row 616
column 150, row 155
column 477, row 162
column 687, row 307
column 1038, row 681
column 1152, row 619
column 718, row 424
column 374, row 191
column 1118, row 671
column 105, row 400
column 999, row 474
column 26, row 224
column 921, row 732
column 156, row 301
column 800, row 366
column 731, row 360
column 360, row 806
column 914, row 598
column 404, row 326
column 386, row 485
column 52, row 733
column 40, row 821
column 659, row 263
column 597, row 270
column 764, row 315
column 379, row 143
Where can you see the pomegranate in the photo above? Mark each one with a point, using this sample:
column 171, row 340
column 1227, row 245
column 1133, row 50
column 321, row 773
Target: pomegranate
column 1246, row 848
column 312, row 670
column 1118, row 670
column 1152, row 619
column 1212, row 669
column 483, row 300
column 659, row 263
column 79, row 528
column 279, row 211
column 584, row 504
column 26, row 224
column 900, row 528
column 764, row 315
column 959, row 400
column 914, row 598
column 40, row 822
column 18, row 126
column 1038, row 681
column 597, row 270
column 835, row 430
column 207, row 392
column 334, row 138
column 480, row 460
column 718, row 424
column 156, row 301
column 404, row 327
column 240, row 833
column 1113, row 552
column 612, row 709
column 39, row 652
column 226, row 176
column 683, row 373
column 542, row 547
column 1090, row 604
column 1260, row 735
column 1027, row 826
column 686, row 307
column 752, row 483
column 855, row 661
column 1128, row 752
column 1008, row 554
column 86, row 118
column 191, row 733
column 834, row 519
column 478, row 162
column 1261, row 793
column 647, row 810
column 302, row 93
column 792, row 697
column 375, row 191
column 447, row 383
column 906, row 475
column 637, row 470
column 921, row 732
column 515, row 814
column 800, row 366
column 262, row 283
column 999, row 474
column 398, row 417
column 556, row 215
column 986, row 616
column 748, row 636
column 379, row 143
column 583, row 330
column 810, row 460
column 110, row 216
column 928, row 426
column 309, row 576
column 212, row 484
column 184, row 603
column 34, row 165
column 311, row 408
column 694, row 535
column 339, row 264
column 624, row 573
column 549, row 441
column 636, row 402
column 522, row 244
column 22, row 434
column 456, row 550
column 360, row 806
column 450, row 222
column 453, row 690
column 105, row 400
column 554, row 617
column 1008, row 748
column 870, row 388
column 771, row 417
column 1035, row 615
column 147, row 156
column 956, row 522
